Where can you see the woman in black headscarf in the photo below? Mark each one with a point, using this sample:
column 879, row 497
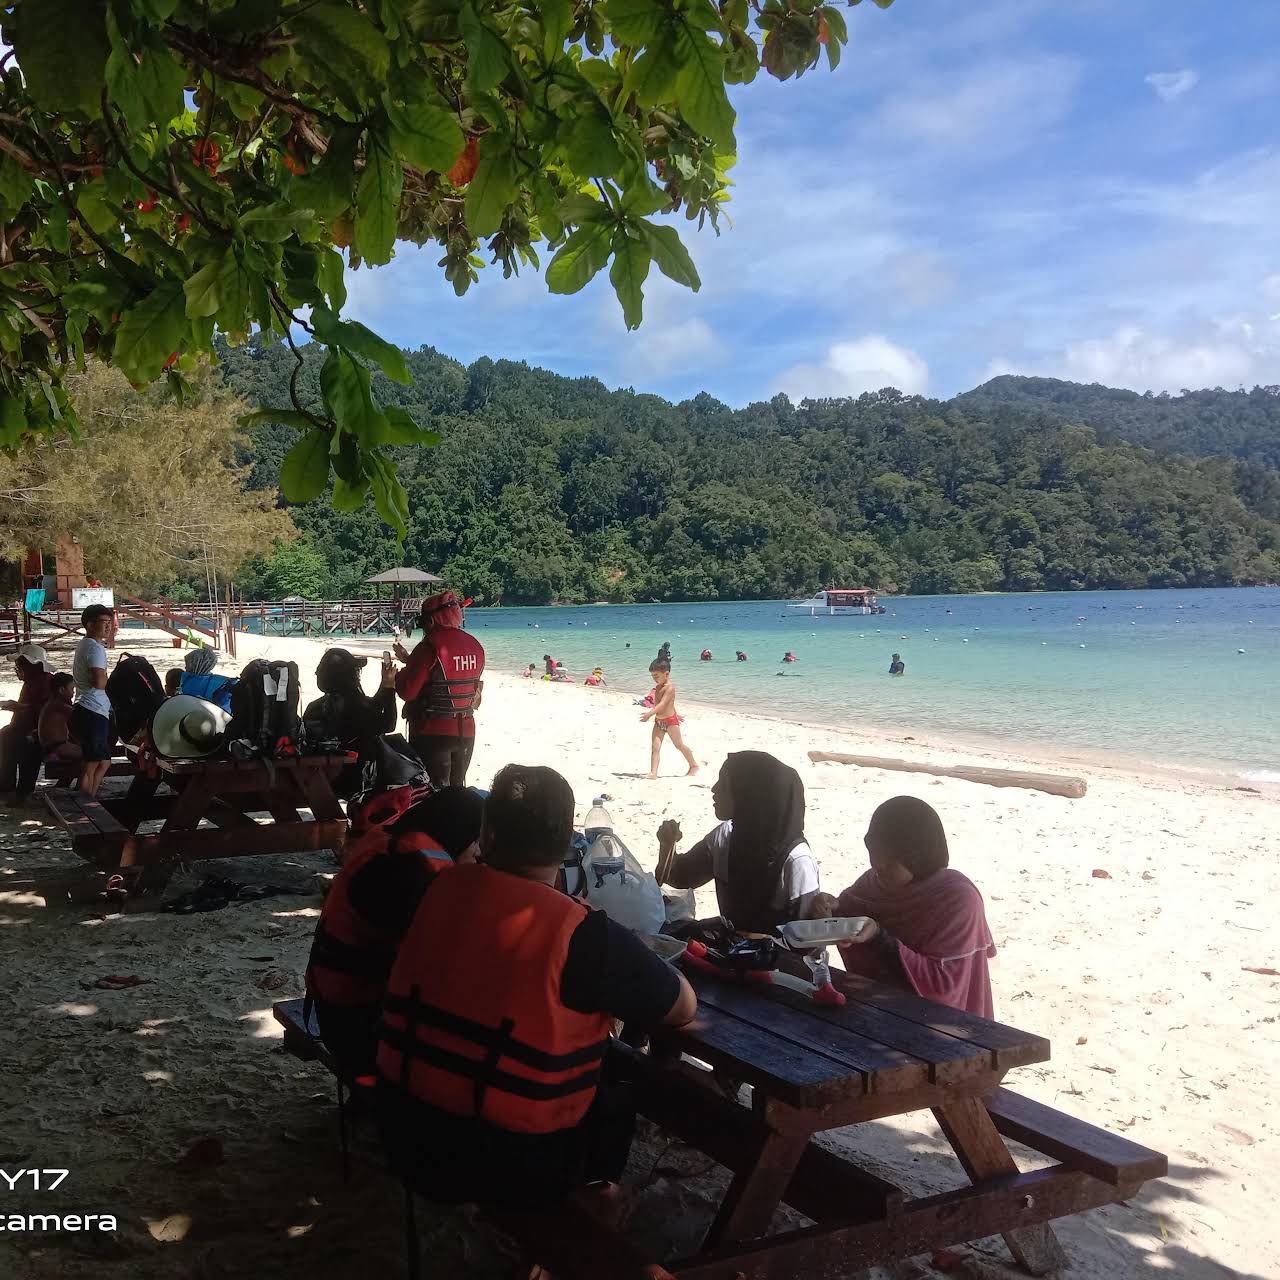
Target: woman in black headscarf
column 764, row 870
column 347, row 718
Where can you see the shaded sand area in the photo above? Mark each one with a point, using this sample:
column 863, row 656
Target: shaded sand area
column 174, row 1109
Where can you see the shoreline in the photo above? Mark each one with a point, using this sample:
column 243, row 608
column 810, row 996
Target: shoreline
column 909, row 743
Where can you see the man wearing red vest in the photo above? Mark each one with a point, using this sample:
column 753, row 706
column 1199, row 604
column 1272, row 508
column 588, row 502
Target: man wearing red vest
column 441, row 685
column 493, row 1084
column 368, row 910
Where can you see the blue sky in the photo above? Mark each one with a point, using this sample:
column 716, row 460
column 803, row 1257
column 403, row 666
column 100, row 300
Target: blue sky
column 1087, row 189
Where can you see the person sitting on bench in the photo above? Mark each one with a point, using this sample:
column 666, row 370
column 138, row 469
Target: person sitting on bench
column 346, row 717
column 19, row 751
column 493, row 1084
column 54, row 728
column 367, row 911
column 928, row 926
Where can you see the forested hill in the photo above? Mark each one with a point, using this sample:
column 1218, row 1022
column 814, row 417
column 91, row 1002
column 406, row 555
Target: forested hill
column 550, row 488
column 1238, row 424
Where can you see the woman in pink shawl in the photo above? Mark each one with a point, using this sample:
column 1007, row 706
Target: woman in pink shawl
column 928, row 930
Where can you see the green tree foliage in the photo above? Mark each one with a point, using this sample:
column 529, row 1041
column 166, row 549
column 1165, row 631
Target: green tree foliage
column 1241, row 424
column 169, row 168
column 548, row 488
column 154, row 492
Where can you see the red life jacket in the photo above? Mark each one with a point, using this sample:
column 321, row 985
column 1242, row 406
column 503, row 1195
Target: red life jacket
column 472, row 1021
column 455, row 677
column 351, row 957
column 377, row 809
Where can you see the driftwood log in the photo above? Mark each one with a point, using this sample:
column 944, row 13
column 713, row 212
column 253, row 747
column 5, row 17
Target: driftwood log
column 1055, row 784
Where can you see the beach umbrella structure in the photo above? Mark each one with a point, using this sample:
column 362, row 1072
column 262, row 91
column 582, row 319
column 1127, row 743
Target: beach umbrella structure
column 401, row 576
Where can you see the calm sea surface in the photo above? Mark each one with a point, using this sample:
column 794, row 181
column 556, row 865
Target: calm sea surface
column 1154, row 677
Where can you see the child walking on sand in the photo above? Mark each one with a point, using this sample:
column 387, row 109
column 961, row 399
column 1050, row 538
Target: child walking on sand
column 666, row 723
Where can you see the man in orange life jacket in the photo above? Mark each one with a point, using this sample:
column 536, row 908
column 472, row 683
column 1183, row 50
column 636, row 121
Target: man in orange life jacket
column 441, row 685
column 493, row 1084
column 368, row 910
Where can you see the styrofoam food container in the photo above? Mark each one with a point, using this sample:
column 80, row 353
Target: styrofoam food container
column 822, row 933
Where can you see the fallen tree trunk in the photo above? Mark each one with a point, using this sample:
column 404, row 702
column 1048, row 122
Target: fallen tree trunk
column 1054, row 784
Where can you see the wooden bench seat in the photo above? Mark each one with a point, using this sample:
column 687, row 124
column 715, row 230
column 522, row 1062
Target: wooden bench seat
column 1078, row 1144
column 95, row 834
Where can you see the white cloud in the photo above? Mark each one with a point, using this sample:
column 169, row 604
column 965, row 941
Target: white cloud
column 1227, row 354
column 1171, row 85
column 1000, row 104
column 863, row 364
column 919, row 278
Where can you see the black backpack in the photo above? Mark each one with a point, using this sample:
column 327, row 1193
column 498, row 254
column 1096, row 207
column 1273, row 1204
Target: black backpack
column 264, row 710
column 135, row 691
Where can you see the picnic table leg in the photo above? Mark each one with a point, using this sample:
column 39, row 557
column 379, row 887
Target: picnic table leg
column 982, row 1152
column 757, row 1189
column 319, row 794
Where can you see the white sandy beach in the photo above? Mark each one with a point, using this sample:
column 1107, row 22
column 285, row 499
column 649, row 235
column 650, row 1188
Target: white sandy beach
column 1139, row 980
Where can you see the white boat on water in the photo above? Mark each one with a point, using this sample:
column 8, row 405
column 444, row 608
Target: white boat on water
column 834, row 603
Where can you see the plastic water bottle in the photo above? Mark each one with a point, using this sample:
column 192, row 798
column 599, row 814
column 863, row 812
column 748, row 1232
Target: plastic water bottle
column 819, row 968
column 597, row 822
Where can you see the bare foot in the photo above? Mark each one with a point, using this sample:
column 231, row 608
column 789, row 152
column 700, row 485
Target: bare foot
column 693, row 768
column 653, row 777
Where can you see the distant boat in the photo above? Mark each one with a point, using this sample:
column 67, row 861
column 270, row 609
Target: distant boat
column 834, row 603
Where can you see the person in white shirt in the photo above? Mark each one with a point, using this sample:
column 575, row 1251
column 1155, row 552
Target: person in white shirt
column 764, row 871
column 90, row 721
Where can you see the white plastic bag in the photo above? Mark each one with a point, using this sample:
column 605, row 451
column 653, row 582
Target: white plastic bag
column 615, row 882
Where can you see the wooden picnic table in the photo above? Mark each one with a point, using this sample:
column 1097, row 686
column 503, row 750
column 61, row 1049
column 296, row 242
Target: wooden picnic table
column 813, row 1068
column 206, row 810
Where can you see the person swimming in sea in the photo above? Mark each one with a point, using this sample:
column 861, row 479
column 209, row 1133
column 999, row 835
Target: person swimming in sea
column 741, row 656
column 897, row 667
column 705, row 656
column 789, row 657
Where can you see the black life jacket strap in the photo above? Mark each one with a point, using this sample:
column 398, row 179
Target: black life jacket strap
column 480, row 1070
column 411, row 1008
column 328, row 952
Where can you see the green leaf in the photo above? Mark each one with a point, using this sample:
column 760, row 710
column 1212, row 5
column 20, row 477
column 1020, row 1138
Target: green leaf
column 427, row 136
column 700, row 86
column 378, row 204
column 331, row 278
column 234, row 292
column 151, row 332
column 62, row 48
column 636, row 22
column 343, row 45
column 557, row 20
column 327, row 188
column 282, row 417
column 203, row 298
column 344, row 383
column 351, row 335
column 389, row 496
column 579, row 258
column 144, row 80
column 837, row 29
column 652, row 77
column 272, row 223
column 488, row 58
column 591, row 147
column 670, row 255
column 580, row 207
column 16, row 184
column 305, row 469
column 628, row 273
column 493, row 187
column 404, row 431
column 347, row 496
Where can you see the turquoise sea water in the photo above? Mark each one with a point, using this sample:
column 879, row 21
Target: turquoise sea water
column 1152, row 677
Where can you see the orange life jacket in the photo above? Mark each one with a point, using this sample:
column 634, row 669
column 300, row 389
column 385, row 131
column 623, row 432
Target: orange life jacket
column 351, row 957
column 455, row 677
column 473, row 1022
